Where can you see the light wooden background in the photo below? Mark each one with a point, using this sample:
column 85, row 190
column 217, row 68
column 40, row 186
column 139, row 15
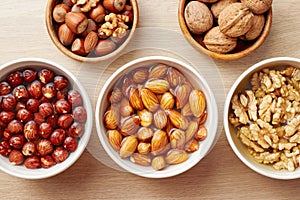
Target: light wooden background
column 221, row 175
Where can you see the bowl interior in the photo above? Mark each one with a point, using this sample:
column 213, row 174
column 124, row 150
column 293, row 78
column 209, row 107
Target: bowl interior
column 21, row 171
column 243, row 48
column 52, row 31
column 211, row 123
column 242, row 83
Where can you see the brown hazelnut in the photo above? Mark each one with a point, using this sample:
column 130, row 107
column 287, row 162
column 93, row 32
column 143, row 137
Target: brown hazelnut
column 74, row 98
column 47, row 161
column 16, row 157
column 38, row 118
column 32, row 105
column 60, row 154
column 8, row 103
column 6, row 135
column 20, row 93
column 78, row 47
column 15, row 127
column 46, row 109
column 105, row 47
column 114, row 6
column 52, row 120
column 60, row 82
column 35, row 89
column 45, row 130
column 29, row 75
column 57, row 137
column 68, row 2
column 65, row 35
column 32, row 162
column 5, row 149
column 7, row 116
column 62, row 94
column 24, row 115
column 31, row 131
column 76, row 130
column 45, row 76
column 44, row 147
column 98, row 13
column 28, row 149
column 64, row 121
column 49, row 91
column 62, row 106
column 5, row 88
column 14, row 79
column 92, row 26
column 79, row 114
column 59, row 12
column 70, row 144
column 17, row 141
column 76, row 21
column 20, row 105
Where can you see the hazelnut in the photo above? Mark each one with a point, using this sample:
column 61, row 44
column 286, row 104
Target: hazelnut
column 78, row 47
column 33, row 162
column 59, row 12
column 52, row 120
column 65, row 35
column 5, row 88
column 98, row 13
column 16, row 157
column 62, row 94
column 105, row 47
column 46, row 109
column 14, row 79
column 57, row 137
column 114, row 6
column 64, row 121
column 79, row 114
column 5, row 149
column 92, row 26
column 45, row 130
column 15, row 127
column 76, row 130
column 8, row 103
column 20, row 105
column 29, row 75
column 28, row 149
column 31, row 131
column 7, row 116
column 45, row 76
column 62, row 106
column 44, row 147
column 70, row 144
column 74, row 98
column 35, row 89
column 6, row 135
column 60, row 154
column 47, row 161
column 24, row 115
column 60, row 82
column 68, row 2
column 49, row 91
column 76, row 21
column 38, row 118
column 32, row 105
column 17, row 141
column 20, row 93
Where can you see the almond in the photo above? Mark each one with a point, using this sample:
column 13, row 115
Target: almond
column 128, row 146
column 115, row 139
column 186, row 110
column 174, row 77
column 149, row 99
column 167, row 101
column 140, row 75
column 159, row 142
column 192, row 146
column 191, row 130
column 177, row 139
column 145, row 134
column 178, row 120
column 160, row 119
column 158, row 86
column 176, row 156
column 130, row 125
column 115, row 95
column 141, row 159
column 144, row 148
column 90, row 42
column 158, row 71
column 158, row 163
column 135, row 99
column 125, row 108
column 127, row 81
column 182, row 93
column 197, row 102
column 111, row 118
column 201, row 133
column 146, row 117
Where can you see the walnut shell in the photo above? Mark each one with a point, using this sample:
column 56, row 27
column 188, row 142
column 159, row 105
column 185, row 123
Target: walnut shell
column 198, row 17
column 217, row 7
column 235, row 20
column 256, row 28
column 218, row 42
column 258, row 6
column 208, row 1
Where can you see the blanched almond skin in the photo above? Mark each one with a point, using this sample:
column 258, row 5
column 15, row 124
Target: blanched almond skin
column 65, row 35
column 105, row 47
column 198, row 17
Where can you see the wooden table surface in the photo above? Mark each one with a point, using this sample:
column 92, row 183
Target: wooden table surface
column 220, row 175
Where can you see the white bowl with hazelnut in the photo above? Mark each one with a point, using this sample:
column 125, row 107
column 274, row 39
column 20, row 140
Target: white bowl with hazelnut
column 156, row 117
column 45, row 118
column 91, row 30
column 261, row 117
column 225, row 29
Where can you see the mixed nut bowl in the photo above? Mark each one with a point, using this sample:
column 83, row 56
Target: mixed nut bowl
column 156, row 117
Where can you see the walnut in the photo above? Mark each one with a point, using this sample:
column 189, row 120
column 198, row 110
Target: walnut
column 256, row 28
column 114, row 26
column 217, row 7
column 239, row 111
column 258, row 6
column 86, row 5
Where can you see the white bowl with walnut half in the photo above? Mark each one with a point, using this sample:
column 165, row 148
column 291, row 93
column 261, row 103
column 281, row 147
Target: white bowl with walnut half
column 261, row 117
column 156, row 117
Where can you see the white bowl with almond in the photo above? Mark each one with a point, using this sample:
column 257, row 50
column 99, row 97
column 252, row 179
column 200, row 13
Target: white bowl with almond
column 156, row 117
column 261, row 117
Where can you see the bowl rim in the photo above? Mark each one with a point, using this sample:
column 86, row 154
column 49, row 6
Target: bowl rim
column 156, row 174
column 228, row 56
column 69, row 53
column 88, row 126
column 250, row 70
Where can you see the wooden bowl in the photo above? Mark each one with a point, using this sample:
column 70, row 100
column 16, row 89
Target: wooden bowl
column 243, row 48
column 52, row 28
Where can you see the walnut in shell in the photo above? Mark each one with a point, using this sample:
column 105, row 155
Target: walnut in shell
column 258, row 6
column 235, row 20
column 217, row 7
column 218, row 42
column 198, row 17
column 256, row 28
column 208, row 1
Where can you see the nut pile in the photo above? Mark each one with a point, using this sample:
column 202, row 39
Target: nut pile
column 267, row 117
column 41, row 118
column 155, row 116
column 93, row 27
column 223, row 23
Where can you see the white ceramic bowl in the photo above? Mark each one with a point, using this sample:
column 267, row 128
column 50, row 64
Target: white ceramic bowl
column 211, row 123
column 21, row 171
column 239, row 149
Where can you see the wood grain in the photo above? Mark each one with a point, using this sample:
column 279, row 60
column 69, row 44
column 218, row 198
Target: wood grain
column 220, row 175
